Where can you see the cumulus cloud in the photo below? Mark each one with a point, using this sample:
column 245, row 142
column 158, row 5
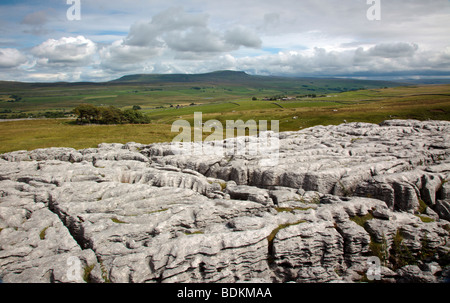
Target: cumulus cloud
column 388, row 53
column 74, row 51
column 143, row 34
column 11, row 57
column 393, row 50
column 285, row 37
column 196, row 39
column 122, row 57
column 181, row 31
column 172, row 19
column 240, row 35
column 380, row 59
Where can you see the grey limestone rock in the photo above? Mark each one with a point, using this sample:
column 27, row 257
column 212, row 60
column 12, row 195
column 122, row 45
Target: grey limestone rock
column 413, row 274
column 146, row 213
column 443, row 209
column 244, row 192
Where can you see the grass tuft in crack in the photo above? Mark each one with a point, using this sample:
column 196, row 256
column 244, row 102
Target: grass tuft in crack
column 271, row 238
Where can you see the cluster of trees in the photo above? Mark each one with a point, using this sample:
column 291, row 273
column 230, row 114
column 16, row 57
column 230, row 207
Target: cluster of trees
column 307, row 96
column 88, row 113
column 13, row 116
column 15, row 98
column 9, row 114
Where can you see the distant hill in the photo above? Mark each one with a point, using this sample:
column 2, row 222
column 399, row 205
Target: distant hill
column 225, row 77
column 427, row 81
column 233, row 77
column 243, row 79
column 218, row 76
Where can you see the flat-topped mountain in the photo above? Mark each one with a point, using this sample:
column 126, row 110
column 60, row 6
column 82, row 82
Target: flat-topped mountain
column 213, row 76
column 225, row 77
column 244, row 79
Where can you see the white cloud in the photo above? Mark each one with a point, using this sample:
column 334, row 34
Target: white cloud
column 196, row 40
column 74, row 51
column 122, row 57
column 284, row 37
column 378, row 59
column 51, row 77
column 170, row 38
column 11, row 57
column 172, row 19
column 181, row 31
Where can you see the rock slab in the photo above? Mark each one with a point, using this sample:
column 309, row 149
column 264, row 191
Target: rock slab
column 139, row 213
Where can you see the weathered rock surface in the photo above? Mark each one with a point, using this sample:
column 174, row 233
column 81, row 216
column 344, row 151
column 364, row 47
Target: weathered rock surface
column 140, row 213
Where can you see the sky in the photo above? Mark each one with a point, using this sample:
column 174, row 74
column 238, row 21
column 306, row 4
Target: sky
column 102, row 40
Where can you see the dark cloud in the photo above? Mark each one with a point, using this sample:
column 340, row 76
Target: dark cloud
column 36, row 22
column 38, row 18
column 393, row 50
column 241, row 36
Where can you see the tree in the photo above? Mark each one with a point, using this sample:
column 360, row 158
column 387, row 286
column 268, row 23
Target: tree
column 87, row 113
column 136, row 107
column 110, row 115
column 135, row 117
column 15, row 98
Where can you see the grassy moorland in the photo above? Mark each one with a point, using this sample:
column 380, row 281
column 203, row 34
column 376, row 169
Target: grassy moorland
column 162, row 91
column 42, row 133
column 374, row 105
column 369, row 105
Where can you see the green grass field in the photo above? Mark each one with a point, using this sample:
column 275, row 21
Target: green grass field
column 156, row 91
column 32, row 134
column 371, row 105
